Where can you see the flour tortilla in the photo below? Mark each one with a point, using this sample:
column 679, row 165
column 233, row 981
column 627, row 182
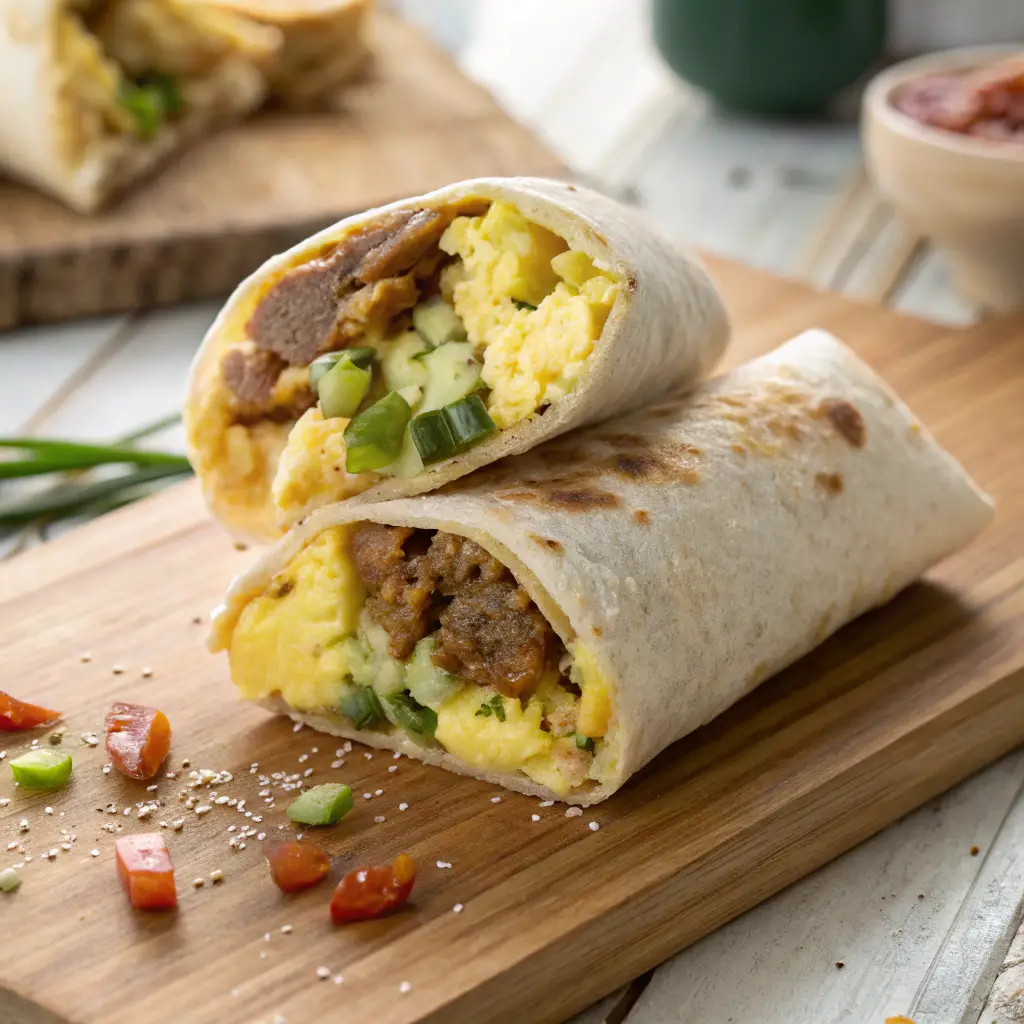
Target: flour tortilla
column 698, row 547
column 666, row 330
column 33, row 128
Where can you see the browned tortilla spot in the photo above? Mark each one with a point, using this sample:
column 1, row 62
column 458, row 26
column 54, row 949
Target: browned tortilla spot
column 739, row 449
column 281, row 588
column 549, row 543
column 632, row 284
column 596, row 630
column 642, row 516
column 566, row 499
column 845, row 418
column 831, row 482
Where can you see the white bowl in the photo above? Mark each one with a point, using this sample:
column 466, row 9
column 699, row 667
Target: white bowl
column 965, row 194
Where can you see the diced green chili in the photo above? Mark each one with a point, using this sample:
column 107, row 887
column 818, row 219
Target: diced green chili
column 362, row 705
column 42, row 769
column 150, row 100
column 432, row 436
column 321, row 805
column 413, row 717
column 584, row 742
column 374, row 438
column 342, row 388
column 468, row 421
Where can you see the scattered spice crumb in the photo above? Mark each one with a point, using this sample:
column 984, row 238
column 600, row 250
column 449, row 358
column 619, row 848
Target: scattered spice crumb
column 56, row 738
column 975, row 850
column 840, row 965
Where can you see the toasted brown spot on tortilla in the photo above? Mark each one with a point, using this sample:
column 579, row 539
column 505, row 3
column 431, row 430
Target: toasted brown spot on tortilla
column 739, row 449
column 831, row 482
column 845, row 418
column 596, row 630
column 281, row 588
column 632, row 284
column 642, row 516
column 548, row 542
column 566, row 499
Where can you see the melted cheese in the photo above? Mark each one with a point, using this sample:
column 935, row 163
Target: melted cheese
column 287, row 640
column 595, row 710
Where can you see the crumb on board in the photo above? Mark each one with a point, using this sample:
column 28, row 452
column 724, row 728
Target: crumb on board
column 975, row 850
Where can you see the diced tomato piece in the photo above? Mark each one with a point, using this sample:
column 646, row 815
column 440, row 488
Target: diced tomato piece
column 145, row 869
column 16, row 715
column 372, row 891
column 297, row 865
column 138, row 739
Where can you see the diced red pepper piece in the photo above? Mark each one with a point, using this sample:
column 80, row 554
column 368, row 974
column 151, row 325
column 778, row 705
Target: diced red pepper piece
column 372, row 891
column 16, row 715
column 145, row 869
column 138, row 739
column 297, row 865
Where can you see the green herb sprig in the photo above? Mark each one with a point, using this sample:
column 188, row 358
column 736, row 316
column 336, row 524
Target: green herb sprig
column 495, row 706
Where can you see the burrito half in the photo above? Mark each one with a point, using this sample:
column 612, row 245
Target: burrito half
column 405, row 347
column 553, row 622
column 95, row 94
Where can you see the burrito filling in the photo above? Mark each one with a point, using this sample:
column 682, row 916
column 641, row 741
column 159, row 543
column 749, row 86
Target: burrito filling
column 405, row 344
column 132, row 70
column 393, row 629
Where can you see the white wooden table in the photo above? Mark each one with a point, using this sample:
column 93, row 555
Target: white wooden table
column 912, row 922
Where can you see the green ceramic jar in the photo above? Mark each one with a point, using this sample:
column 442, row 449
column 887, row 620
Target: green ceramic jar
column 770, row 56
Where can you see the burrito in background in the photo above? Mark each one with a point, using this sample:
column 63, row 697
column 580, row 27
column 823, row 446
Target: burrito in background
column 405, row 347
column 554, row 621
column 95, row 95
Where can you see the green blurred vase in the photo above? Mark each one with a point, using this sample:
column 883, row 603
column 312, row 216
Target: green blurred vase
column 770, row 56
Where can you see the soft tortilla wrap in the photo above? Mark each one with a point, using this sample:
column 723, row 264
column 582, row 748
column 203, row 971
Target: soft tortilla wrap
column 58, row 93
column 683, row 554
column 664, row 330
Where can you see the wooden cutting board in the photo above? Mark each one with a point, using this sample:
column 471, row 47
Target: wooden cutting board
column 894, row 709
column 226, row 205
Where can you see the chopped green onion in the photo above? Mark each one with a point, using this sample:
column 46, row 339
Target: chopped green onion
column 361, row 356
column 150, row 101
column 374, row 438
column 468, row 421
column 342, row 388
column 495, row 706
column 9, row 880
column 321, row 805
column 362, row 705
column 412, row 716
column 432, row 436
column 58, row 456
column 584, row 742
column 42, row 769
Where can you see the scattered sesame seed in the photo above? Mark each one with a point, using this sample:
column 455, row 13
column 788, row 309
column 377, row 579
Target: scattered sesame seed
column 368, row 756
column 85, row 657
column 216, row 875
column 303, row 758
column 261, row 836
column 23, row 824
column 152, row 789
column 170, row 775
column 380, row 819
column 117, row 669
column 404, row 988
column 337, row 764
column 367, row 796
column 403, row 807
column 263, row 954
column 147, row 672
column 198, row 883
column 12, row 845
column 221, row 800
column 297, row 727
column 203, row 809
column 573, row 812
column 306, row 774
column 286, row 929
column 90, row 739
column 47, row 810
column 185, row 762
column 323, row 973
column 106, row 769
column 593, row 826
column 396, row 755
column 444, row 864
column 457, row 909
column 66, row 847
column 393, row 768
column 338, row 979
column 178, row 824
column 535, row 817
column 495, row 799
column 94, row 853
column 547, row 803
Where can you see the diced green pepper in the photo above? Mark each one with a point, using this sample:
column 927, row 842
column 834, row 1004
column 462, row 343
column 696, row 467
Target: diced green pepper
column 374, row 438
column 321, row 805
column 432, row 436
column 42, row 769
column 150, row 101
column 584, row 742
column 437, row 323
column 412, row 716
column 362, row 705
column 360, row 356
column 468, row 421
column 342, row 388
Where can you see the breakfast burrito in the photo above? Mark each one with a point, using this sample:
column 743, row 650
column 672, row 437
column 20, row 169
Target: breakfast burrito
column 95, row 94
column 407, row 346
column 554, row 621
column 323, row 45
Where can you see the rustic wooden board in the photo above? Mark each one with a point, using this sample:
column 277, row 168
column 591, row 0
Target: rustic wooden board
column 415, row 123
column 894, row 709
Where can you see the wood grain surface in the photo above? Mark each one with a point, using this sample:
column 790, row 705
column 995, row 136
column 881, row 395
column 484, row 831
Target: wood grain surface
column 894, row 709
column 226, row 205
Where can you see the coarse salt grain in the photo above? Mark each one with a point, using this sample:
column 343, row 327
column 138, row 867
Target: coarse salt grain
column 403, row 807
column 593, row 826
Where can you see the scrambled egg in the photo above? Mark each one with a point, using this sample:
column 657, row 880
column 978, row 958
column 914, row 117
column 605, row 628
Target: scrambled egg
column 595, row 710
column 531, row 356
column 486, row 741
column 287, row 640
column 313, row 463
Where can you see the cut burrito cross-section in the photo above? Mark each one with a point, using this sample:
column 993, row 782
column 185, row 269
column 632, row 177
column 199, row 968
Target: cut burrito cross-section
column 405, row 347
column 554, row 621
